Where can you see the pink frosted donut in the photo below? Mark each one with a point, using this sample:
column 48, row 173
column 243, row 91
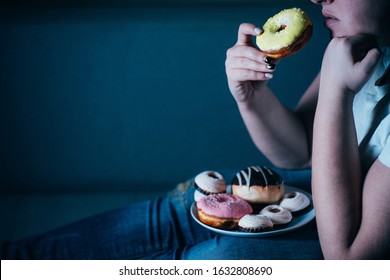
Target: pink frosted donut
column 222, row 210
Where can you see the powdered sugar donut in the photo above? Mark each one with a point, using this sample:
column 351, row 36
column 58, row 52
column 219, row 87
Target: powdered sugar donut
column 277, row 214
column 222, row 210
column 208, row 182
column 255, row 223
column 295, row 201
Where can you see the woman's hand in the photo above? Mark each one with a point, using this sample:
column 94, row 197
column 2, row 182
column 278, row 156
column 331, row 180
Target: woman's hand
column 348, row 63
column 247, row 68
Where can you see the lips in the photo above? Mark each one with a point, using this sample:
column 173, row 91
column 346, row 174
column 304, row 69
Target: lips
column 327, row 14
column 330, row 19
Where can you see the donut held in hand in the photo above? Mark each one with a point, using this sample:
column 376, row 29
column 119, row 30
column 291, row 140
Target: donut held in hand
column 285, row 33
column 208, row 182
column 258, row 185
column 222, row 210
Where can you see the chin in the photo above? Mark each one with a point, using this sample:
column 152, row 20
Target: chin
column 336, row 31
column 331, row 32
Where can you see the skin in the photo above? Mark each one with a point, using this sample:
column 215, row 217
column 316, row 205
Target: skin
column 351, row 210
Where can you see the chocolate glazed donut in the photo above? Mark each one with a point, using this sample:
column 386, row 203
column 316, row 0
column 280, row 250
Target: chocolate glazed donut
column 258, row 185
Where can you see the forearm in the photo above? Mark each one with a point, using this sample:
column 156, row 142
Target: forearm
column 336, row 174
column 276, row 131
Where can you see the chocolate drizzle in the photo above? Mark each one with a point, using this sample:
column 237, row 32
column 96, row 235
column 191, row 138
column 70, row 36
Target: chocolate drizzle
column 257, row 176
column 199, row 189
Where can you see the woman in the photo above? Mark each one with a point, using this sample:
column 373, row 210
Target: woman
column 351, row 189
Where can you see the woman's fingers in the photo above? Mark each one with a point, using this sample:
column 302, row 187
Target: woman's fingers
column 249, row 75
column 251, row 53
column 249, row 64
column 249, row 58
column 246, row 51
column 245, row 33
column 244, row 62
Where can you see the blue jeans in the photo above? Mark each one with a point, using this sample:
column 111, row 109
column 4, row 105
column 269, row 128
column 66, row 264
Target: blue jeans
column 163, row 228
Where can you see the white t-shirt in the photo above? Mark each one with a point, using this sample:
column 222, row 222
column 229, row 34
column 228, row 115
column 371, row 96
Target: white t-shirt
column 364, row 109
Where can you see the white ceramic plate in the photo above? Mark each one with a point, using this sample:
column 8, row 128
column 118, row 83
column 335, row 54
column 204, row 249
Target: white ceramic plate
column 296, row 222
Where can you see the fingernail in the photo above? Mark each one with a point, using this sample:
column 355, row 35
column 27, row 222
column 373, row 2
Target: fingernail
column 268, row 60
column 257, row 31
column 271, row 66
column 268, row 75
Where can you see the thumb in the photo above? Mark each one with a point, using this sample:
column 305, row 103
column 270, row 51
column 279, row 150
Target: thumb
column 245, row 33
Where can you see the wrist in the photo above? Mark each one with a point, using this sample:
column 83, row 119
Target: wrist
column 252, row 98
column 335, row 94
column 251, row 102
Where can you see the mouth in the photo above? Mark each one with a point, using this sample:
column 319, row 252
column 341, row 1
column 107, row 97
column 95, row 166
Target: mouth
column 330, row 19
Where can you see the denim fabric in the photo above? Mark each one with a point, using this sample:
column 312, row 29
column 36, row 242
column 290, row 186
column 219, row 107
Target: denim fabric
column 163, row 228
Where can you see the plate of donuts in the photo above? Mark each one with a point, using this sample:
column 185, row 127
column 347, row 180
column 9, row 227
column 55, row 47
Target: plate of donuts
column 297, row 218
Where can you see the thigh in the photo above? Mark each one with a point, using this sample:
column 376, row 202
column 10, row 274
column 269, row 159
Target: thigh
column 138, row 230
column 301, row 245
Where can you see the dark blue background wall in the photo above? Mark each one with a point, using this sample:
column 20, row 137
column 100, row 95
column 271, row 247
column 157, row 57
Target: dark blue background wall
column 119, row 96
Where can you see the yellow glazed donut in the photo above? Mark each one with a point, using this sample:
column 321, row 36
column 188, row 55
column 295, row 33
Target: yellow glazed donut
column 285, row 33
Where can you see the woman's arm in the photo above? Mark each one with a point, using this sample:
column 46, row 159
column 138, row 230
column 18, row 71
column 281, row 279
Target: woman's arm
column 280, row 134
column 350, row 210
column 353, row 223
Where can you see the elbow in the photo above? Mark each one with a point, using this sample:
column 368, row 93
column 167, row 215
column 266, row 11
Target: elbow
column 337, row 256
column 340, row 253
column 293, row 163
column 295, row 159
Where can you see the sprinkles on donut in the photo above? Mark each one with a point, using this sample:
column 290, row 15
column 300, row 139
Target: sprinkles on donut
column 285, row 33
column 222, row 210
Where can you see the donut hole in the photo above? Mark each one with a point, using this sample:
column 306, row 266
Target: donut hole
column 291, row 195
column 281, row 28
column 274, row 210
column 213, row 175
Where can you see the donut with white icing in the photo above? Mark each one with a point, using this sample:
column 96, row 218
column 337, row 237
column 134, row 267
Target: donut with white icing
column 222, row 210
column 258, row 185
column 295, row 201
column 208, row 182
column 277, row 214
column 255, row 223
